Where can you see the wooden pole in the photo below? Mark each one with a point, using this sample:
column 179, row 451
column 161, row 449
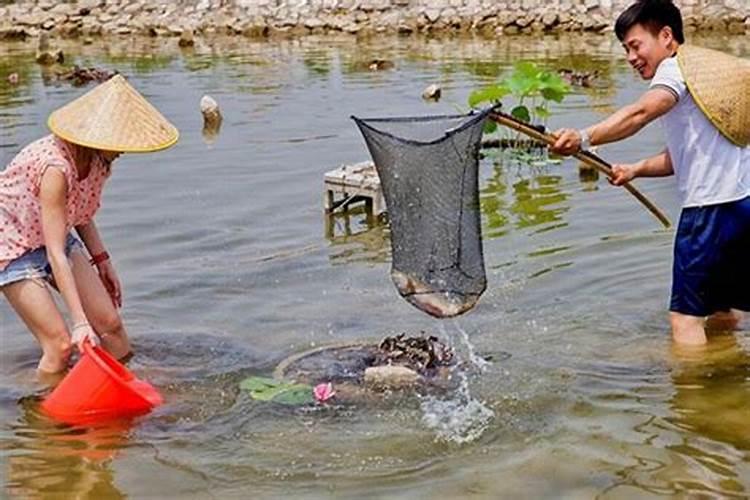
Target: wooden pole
column 585, row 156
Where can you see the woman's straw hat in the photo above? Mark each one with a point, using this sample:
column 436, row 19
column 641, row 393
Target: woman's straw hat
column 720, row 86
column 113, row 117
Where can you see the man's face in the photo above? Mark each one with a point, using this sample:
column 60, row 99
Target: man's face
column 645, row 50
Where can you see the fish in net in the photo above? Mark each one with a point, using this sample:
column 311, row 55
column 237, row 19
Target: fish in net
column 428, row 168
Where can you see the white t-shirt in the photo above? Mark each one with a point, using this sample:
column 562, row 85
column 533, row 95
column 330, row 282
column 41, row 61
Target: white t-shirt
column 709, row 168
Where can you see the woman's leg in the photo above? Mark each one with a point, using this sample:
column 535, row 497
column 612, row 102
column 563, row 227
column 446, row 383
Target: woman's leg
column 33, row 302
column 98, row 306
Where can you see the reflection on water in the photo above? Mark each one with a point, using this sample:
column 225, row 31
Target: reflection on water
column 229, row 266
column 535, row 198
column 51, row 460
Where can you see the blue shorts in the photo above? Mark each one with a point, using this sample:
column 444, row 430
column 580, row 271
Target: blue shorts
column 34, row 264
column 711, row 269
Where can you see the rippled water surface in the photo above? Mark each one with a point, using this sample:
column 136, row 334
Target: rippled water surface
column 229, row 266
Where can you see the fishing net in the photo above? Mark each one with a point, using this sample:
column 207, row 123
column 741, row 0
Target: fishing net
column 428, row 169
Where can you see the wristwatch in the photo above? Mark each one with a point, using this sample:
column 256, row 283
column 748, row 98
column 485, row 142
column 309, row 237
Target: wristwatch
column 585, row 139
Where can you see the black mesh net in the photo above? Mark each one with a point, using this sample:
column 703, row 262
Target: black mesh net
column 428, row 168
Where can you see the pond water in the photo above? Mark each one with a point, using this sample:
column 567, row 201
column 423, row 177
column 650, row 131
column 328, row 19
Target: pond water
column 229, row 266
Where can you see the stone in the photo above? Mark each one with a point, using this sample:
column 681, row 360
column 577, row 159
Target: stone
column 432, row 93
column 432, row 15
column 48, row 58
column 549, row 19
column 210, row 111
column 737, row 28
column 390, row 377
column 186, row 38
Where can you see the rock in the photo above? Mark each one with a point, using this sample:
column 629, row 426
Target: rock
column 432, row 93
column 549, row 19
column 210, row 111
column 45, row 55
column 211, row 118
column 390, row 377
column 432, row 15
column 737, row 28
column 50, row 57
column 186, row 38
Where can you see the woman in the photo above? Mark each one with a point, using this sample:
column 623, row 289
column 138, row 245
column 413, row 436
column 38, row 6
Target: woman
column 53, row 186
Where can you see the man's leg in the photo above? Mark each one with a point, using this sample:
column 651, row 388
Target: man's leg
column 687, row 330
column 725, row 320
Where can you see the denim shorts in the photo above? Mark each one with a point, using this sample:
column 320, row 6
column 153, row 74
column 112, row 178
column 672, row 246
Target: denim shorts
column 34, row 264
column 711, row 271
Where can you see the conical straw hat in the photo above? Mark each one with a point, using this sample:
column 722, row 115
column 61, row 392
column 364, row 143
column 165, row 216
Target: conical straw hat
column 113, row 117
column 720, row 86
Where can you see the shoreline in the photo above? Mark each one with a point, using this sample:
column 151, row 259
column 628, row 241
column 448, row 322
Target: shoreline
column 266, row 18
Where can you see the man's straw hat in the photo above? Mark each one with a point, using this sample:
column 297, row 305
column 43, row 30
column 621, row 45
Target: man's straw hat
column 720, row 86
column 113, row 117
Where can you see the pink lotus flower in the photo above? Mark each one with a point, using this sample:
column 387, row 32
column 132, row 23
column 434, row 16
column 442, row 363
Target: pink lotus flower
column 323, row 392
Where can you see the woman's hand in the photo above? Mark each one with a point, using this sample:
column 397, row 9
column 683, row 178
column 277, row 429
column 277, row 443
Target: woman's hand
column 623, row 173
column 82, row 332
column 111, row 282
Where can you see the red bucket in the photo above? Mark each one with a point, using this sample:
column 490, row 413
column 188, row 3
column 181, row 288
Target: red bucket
column 99, row 388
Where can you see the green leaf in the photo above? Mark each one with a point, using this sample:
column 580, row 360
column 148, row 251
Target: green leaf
column 542, row 112
column 490, row 126
column 553, row 87
column 526, row 69
column 488, row 94
column 521, row 85
column 521, row 113
column 277, row 391
column 298, row 394
column 255, row 384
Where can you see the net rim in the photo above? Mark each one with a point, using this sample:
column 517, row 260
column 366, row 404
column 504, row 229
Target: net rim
column 474, row 115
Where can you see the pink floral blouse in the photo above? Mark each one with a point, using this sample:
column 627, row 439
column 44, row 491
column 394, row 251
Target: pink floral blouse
column 20, row 207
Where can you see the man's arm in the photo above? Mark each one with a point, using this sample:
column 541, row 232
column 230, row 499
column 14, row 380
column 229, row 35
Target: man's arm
column 621, row 124
column 656, row 166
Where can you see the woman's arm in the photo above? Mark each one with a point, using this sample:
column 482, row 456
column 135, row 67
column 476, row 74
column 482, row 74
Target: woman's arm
column 53, row 194
column 90, row 236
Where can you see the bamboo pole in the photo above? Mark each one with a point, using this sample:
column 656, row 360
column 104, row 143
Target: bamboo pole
column 585, row 156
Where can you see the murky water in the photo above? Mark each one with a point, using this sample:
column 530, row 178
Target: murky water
column 229, row 266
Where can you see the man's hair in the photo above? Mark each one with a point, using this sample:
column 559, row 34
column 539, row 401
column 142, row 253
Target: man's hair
column 652, row 15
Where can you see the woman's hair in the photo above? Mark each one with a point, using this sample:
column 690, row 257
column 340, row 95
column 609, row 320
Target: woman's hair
column 652, row 15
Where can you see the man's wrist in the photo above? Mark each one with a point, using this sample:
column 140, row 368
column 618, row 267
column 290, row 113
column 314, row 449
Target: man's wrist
column 585, row 139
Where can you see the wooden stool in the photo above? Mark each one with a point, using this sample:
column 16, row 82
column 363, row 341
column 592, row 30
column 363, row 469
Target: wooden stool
column 351, row 184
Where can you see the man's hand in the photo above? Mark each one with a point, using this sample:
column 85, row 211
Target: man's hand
column 568, row 142
column 623, row 173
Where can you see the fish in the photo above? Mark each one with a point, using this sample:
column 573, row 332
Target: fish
column 437, row 303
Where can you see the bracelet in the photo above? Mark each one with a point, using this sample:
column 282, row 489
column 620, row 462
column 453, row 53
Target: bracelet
column 99, row 258
column 79, row 325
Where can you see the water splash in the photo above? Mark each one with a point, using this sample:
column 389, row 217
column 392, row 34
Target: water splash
column 459, row 419
column 477, row 361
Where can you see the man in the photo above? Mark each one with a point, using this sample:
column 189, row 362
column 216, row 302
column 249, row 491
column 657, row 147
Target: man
column 711, row 274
